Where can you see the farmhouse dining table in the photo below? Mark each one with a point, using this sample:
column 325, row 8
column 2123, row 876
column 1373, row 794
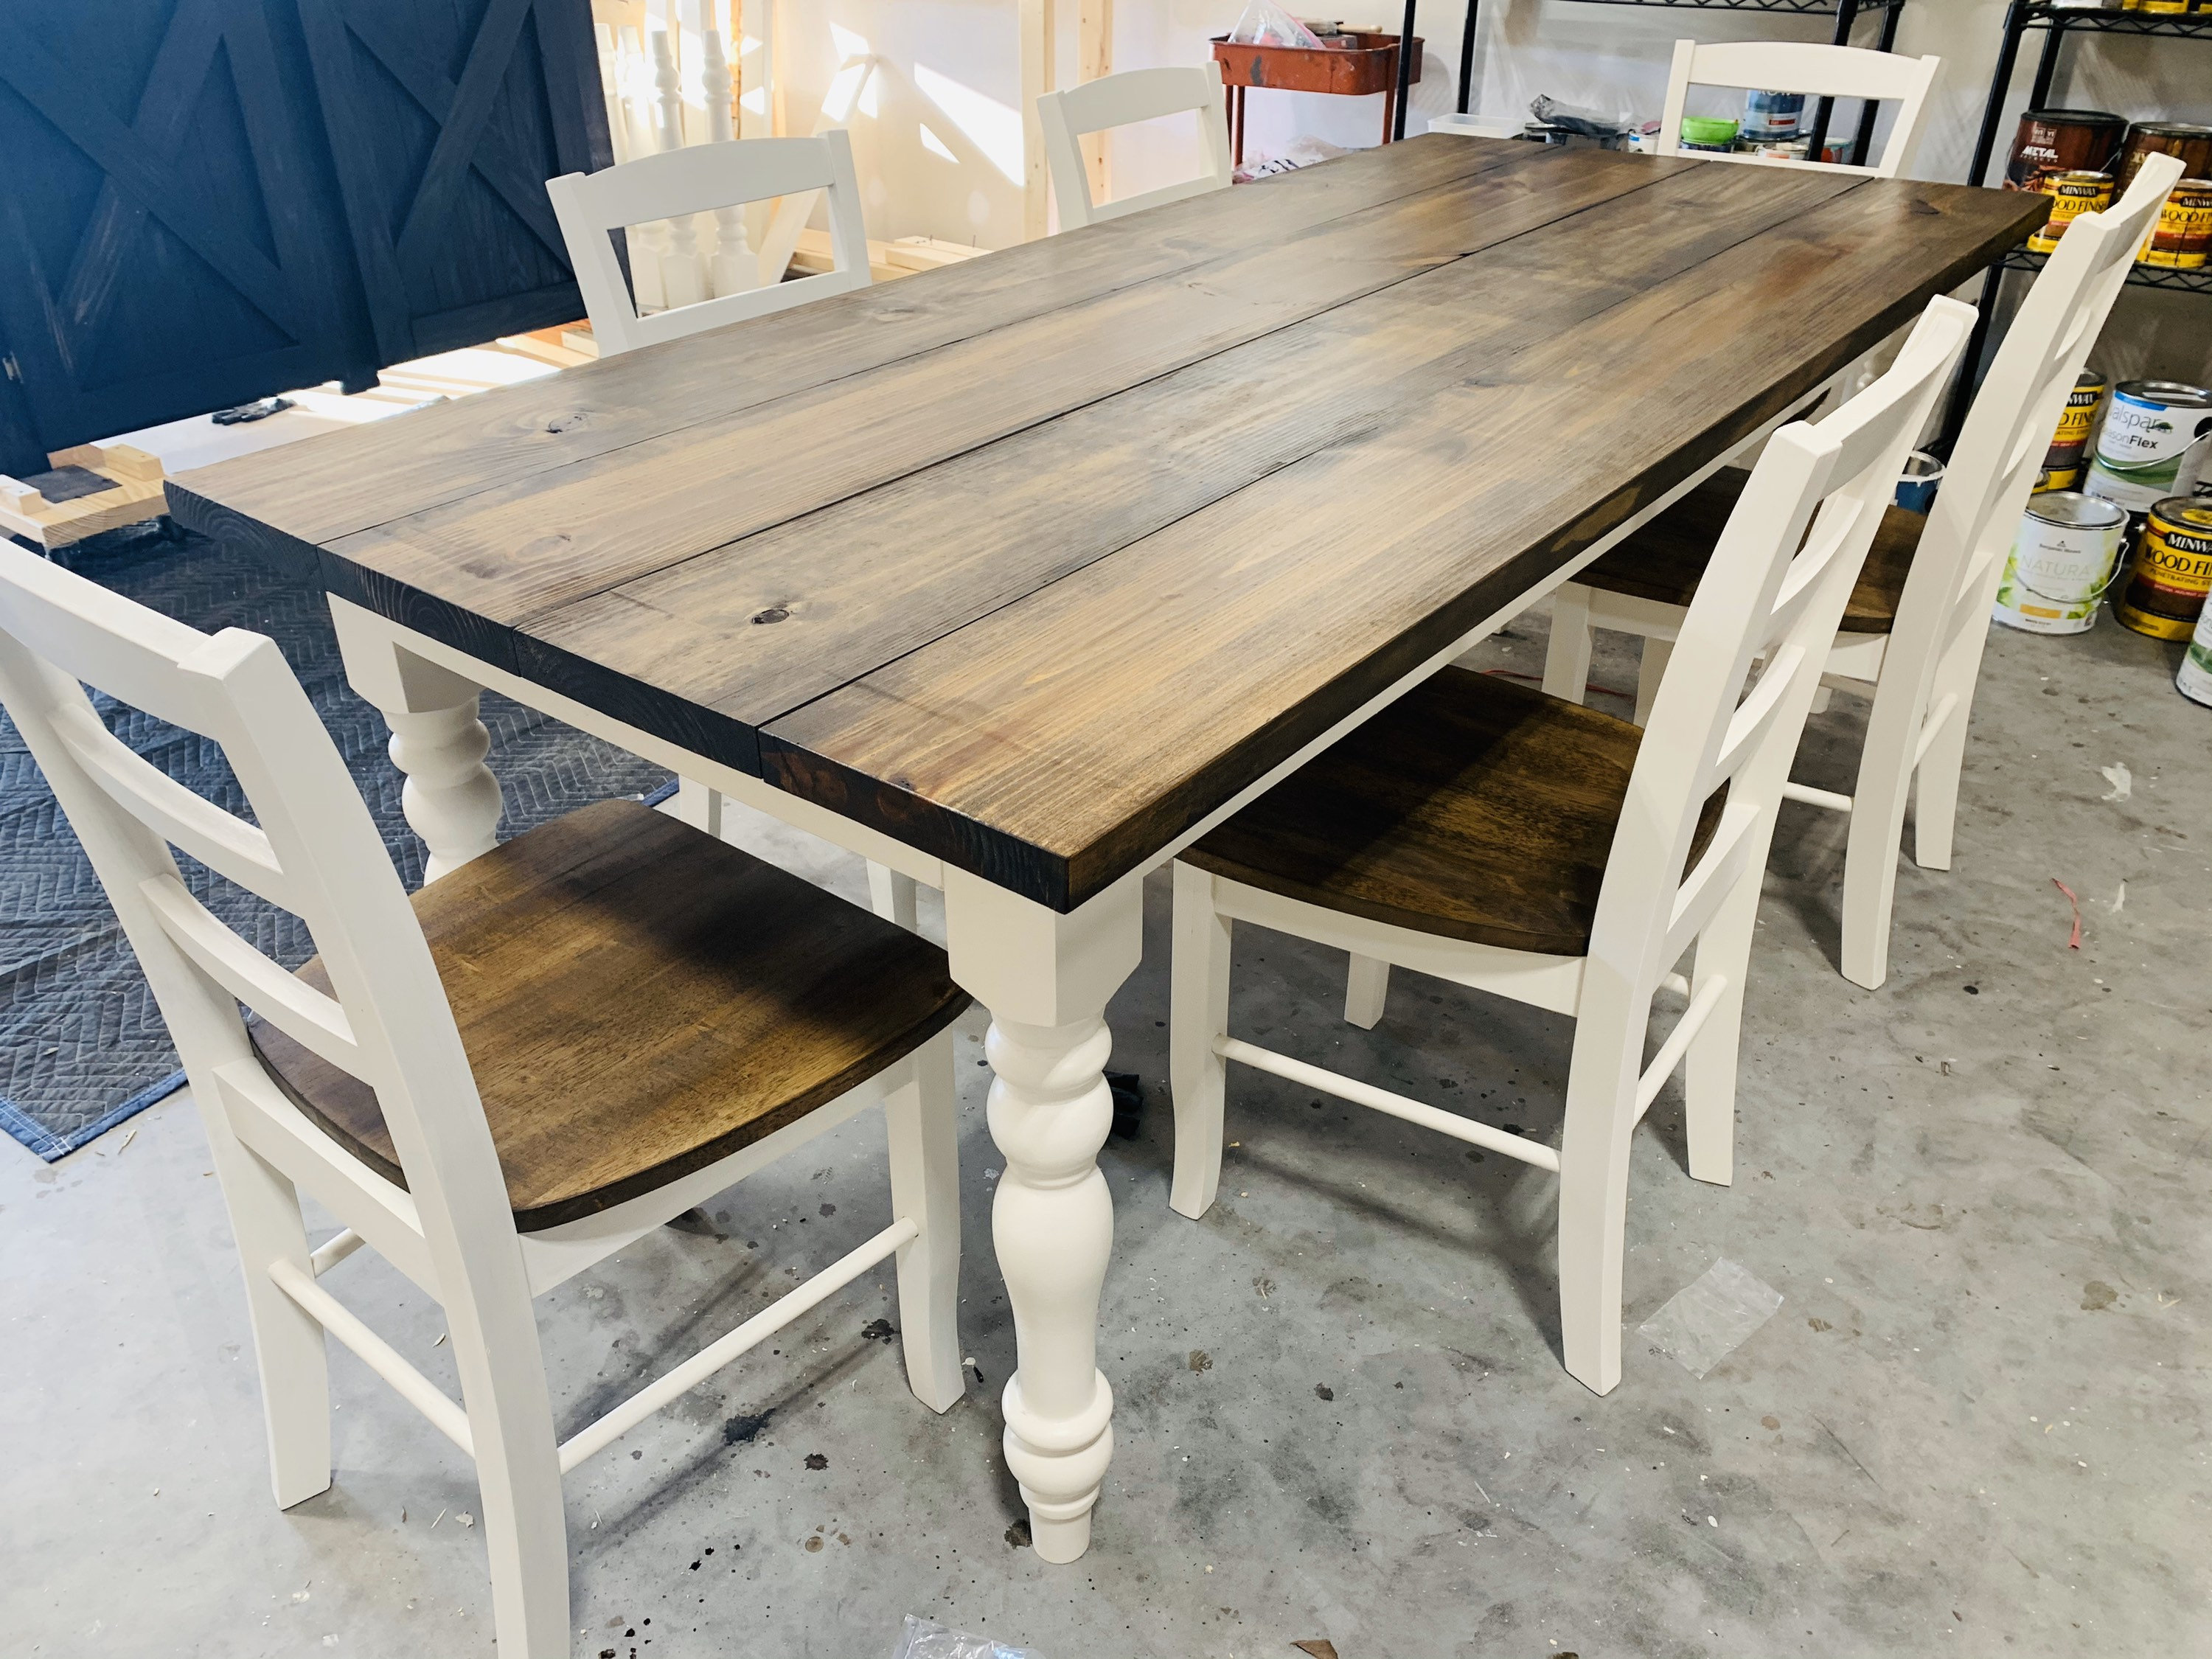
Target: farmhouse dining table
column 1017, row 575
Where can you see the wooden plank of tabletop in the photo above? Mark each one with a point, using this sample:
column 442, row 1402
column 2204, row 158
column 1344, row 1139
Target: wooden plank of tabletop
column 493, row 559
column 881, row 572
column 314, row 491
column 1057, row 743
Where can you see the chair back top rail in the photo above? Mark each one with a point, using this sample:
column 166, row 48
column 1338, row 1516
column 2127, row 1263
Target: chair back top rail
column 1823, row 72
column 1117, row 100
column 698, row 179
column 1774, row 594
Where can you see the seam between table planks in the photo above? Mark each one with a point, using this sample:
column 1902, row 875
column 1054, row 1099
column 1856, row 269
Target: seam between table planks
column 200, row 508
column 976, row 843
column 556, row 664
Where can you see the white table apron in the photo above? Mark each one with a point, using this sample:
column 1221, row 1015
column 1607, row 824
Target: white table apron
column 1045, row 977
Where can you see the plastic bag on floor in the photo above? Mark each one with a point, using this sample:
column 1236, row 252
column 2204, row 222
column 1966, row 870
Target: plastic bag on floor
column 1267, row 24
column 919, row 1638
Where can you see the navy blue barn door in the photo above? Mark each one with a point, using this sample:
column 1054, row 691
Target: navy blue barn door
column 167, row 242
column 446, row 117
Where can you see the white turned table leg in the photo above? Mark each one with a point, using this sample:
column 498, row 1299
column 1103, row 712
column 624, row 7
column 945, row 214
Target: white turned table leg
column 450, row 799
column 1046, row 978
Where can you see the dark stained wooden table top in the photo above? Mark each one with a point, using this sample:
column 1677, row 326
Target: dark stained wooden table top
column 1033, row 561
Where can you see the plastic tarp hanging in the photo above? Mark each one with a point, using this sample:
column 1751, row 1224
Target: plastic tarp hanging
column 1267, row 24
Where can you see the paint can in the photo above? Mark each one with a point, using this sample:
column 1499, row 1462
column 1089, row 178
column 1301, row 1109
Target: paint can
column 2063, row 141
column 1773, row 115
column 2193, row 680
column 2062, row 464
column 2061, row 563
column 1916, row 484
column 2151, row 444
column 2072, row 195
column 2193, row 144
column 2183, row 240
column 2171, row 572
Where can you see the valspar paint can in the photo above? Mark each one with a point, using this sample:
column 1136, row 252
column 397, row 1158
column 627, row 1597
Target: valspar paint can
column 2193, row 680
column 2171, row 571
column 2061, row 562
column 2149, row 446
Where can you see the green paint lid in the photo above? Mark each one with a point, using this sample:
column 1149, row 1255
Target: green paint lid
column 1708, row 129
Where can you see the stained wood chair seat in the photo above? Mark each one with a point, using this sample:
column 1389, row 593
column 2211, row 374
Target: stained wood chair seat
column 638, row 999
column 1666, row 559
column 1472, row 808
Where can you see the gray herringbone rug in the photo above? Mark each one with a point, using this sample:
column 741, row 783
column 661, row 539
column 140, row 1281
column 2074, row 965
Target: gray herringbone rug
column 81, row 1043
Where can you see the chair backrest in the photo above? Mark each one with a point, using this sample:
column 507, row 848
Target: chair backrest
column 2000, row 447
column 1774, row 594
column 311, row 849
column 1116, row 100
column 696, row 178
column 1819, row 72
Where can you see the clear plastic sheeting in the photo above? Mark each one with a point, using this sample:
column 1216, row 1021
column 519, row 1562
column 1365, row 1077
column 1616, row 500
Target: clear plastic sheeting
column 1267, row 24
column 1710, row 1317
column 919, row 1638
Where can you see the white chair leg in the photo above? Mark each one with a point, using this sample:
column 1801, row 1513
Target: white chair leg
column 925, row 1157
column 1366, row 987
column 1936, row 786
column 1608, row 1056
column 1567, row 658
column 1709, row 1067
column 518, row 1480
column 1650, row 671
column 288, row 1344
column 1877, row 833
column 1198, row 1012
column 892, row 895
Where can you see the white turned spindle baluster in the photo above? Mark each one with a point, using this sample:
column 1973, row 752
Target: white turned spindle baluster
column 734, row 267
column 611, row 89
column 648, row 243
column 450, row 799
column 682, row 268
column 1051, row 1221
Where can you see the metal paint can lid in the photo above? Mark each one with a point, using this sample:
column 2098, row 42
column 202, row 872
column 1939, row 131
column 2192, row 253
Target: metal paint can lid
column 2171, row 394
column 2189, row 513
column 2070, row 509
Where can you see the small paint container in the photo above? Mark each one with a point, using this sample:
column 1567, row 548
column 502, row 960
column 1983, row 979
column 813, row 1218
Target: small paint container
column 2061, row 563
column 1916, row 484
column 2061, row 462
column 2171, row 571
column 2193, row 680
column 1707, row 132
column 2072, row 195
column 2151, row 445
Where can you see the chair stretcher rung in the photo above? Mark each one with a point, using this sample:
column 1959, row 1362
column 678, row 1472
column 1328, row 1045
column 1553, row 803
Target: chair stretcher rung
column 1381, row 1100
column 1812, row 797
column 711, row 1359
column 379, row 1356
column 1678, row 1042
column 335, row 1249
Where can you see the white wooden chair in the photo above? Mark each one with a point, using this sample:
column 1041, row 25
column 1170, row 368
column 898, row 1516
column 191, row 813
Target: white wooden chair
column 674, row 185
column 1818, row 71
column 1913, row 634
column 678, row 183
column 1488, row 835
column 1116, row 100
column 631, row 1018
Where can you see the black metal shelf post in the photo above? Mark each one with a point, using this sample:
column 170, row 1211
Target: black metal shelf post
column 2057, row 22
column 1846, row 12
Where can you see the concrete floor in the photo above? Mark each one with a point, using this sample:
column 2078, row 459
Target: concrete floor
column 1977, row 1425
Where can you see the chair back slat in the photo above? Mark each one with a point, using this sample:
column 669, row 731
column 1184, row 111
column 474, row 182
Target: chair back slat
column 698, row 179
column 314, row 1021
column 1773, row 593
column 1117, row 100
column 1818, row 71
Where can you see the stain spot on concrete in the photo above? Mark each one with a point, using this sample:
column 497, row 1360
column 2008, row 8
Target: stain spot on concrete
column 742, row 1430
column 1018, row 1535
column 1200, row 1360
column 2097, row 1296
column 813, row 1545
column 1265, row 1286
column 1770, row 1422
column 1819, row 1324
column 878, row 1330
column 1322, row 1391
column 817, row 1460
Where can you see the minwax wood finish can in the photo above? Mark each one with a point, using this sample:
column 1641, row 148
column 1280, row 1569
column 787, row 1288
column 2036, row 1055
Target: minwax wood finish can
column 2148, row 447
column 2062, row 465
column 2172, row 570
column 2072, row 195
column 2061, row 563
column 2193, row 144
column 2183, row 240
column 2053, row 140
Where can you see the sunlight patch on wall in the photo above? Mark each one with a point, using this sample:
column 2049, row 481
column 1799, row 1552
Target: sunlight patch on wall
column 993, row 127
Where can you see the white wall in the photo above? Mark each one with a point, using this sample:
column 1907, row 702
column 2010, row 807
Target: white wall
column 1602, row 57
